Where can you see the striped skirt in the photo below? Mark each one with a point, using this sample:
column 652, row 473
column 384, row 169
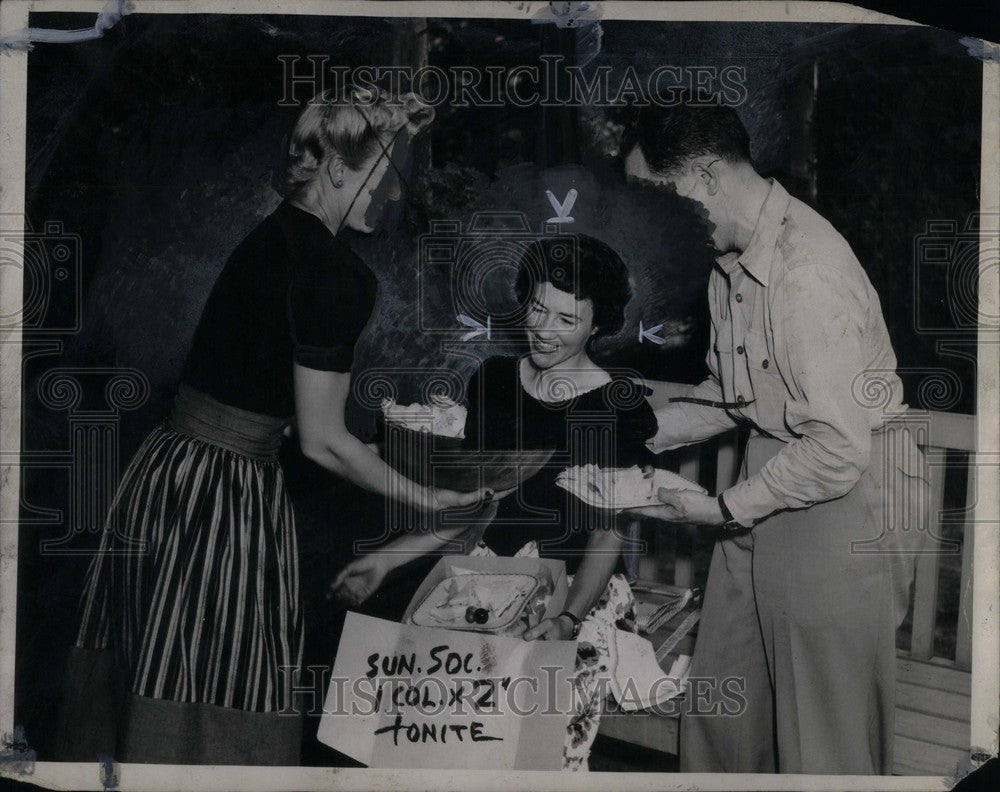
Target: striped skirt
column 196, row 586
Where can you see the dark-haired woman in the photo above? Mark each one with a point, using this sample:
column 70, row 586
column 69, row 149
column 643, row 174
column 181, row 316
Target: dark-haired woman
column 195, row 588
column 557, row 397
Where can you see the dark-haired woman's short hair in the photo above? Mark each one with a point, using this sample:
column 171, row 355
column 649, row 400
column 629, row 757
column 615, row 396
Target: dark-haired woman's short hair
column 670, row 135
column 593, row 272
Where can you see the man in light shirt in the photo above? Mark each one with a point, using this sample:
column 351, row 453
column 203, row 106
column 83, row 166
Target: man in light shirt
column 810, row 576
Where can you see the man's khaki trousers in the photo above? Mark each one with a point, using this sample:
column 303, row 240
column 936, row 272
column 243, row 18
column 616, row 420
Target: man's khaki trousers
column 795, row 661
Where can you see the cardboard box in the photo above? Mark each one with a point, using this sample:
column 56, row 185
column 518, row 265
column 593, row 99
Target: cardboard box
column 426, row 697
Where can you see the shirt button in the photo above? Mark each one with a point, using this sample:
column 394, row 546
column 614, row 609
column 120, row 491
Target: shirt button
column 739, row 350
column 739, row 297
column 740, row 401
column 765, row 364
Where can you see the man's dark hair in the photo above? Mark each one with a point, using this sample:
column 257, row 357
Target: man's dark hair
column 667, row 136
column 597, row 274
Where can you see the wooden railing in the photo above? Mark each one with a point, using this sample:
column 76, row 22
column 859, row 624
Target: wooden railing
column 955, row 433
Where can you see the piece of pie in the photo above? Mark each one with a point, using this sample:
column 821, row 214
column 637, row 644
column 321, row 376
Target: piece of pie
column 621, row 488
column 442, row 417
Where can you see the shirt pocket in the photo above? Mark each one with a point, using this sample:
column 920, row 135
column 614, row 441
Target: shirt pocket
column 769, row 391
column 723, row 349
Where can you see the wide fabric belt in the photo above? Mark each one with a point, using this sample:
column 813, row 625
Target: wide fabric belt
column 250, row 434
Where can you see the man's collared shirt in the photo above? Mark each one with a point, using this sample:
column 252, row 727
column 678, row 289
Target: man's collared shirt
column 800, row 348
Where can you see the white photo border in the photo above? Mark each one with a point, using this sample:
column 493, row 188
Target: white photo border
column 985, row 700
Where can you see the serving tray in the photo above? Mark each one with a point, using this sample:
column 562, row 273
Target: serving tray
column 504, row 594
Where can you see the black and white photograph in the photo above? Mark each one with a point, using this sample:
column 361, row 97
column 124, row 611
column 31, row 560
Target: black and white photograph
column 497, row 395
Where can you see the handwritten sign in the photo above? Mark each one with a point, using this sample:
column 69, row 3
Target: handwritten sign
column 407, row 696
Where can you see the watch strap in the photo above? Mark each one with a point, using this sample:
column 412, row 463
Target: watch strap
column 729, row 522
column 577, row 622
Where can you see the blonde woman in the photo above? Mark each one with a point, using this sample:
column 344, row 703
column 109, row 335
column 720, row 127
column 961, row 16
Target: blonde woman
column 205, row 622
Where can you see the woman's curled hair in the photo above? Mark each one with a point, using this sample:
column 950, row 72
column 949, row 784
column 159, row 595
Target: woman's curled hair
column 351, row 123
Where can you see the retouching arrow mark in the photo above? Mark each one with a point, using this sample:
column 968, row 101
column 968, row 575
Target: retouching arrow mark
column 562, row 209
column 651, row 334
column 567, row 14
column 481, row 328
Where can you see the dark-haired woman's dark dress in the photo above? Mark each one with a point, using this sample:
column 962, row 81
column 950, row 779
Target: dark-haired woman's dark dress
column 196, row 585
column 607, row 426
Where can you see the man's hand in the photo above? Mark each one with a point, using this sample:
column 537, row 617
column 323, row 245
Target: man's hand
column 557, row 629
column 683, row 506
column 359, row 579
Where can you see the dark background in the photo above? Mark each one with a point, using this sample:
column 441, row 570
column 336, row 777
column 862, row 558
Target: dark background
column 979, row 18
column 156, row 146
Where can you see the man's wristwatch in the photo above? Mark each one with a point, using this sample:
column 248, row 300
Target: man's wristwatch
column 577, row 624
column 729, row 522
